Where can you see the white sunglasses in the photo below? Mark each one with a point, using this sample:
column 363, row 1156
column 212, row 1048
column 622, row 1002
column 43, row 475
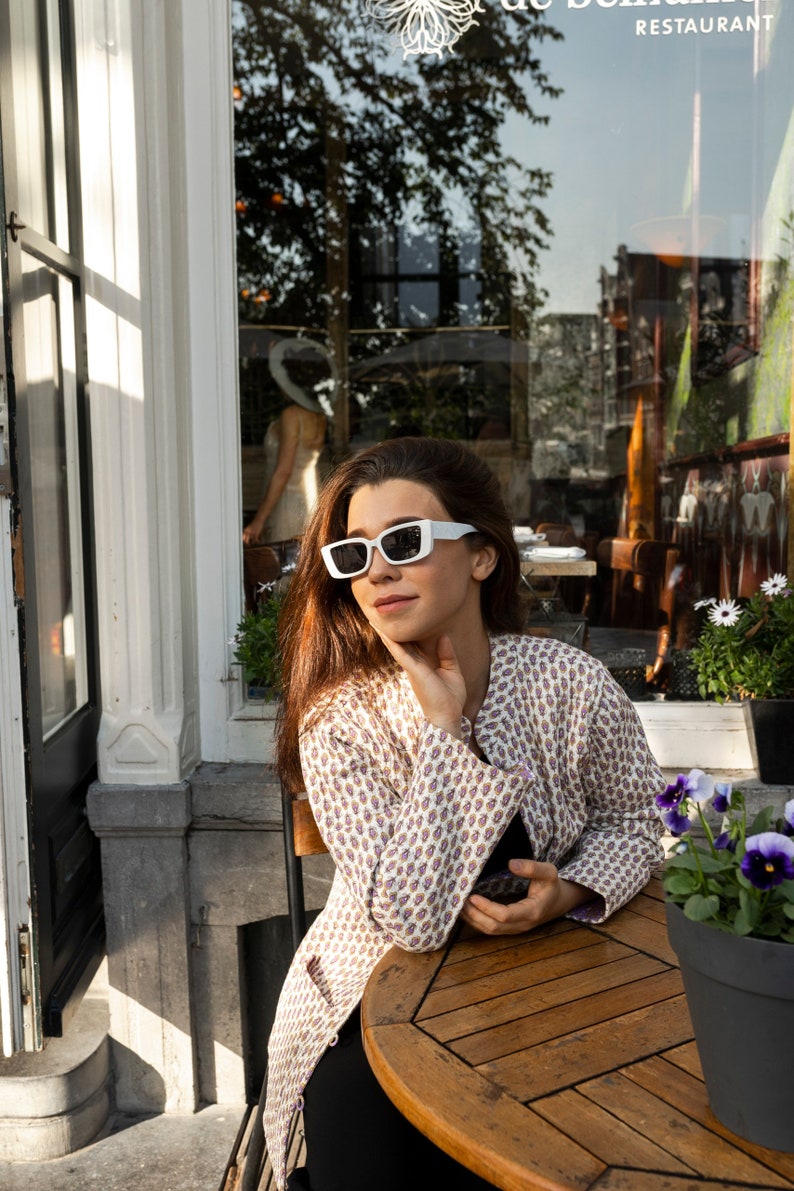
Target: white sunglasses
column 400, row 544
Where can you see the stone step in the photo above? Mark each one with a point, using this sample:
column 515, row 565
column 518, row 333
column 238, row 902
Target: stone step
column 56, row 1101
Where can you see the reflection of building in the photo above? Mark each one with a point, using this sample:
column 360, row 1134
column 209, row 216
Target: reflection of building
column 683, row 369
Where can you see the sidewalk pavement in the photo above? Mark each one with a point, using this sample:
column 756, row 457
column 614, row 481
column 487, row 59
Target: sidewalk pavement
column 157, row 1153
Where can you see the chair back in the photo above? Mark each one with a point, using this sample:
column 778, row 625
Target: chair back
column 649, row 564
column 261, row 566
column 557, row 534
column 301, row 838
column 306, row 838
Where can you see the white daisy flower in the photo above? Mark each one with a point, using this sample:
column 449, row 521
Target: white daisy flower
column 774, row 586
column 725, row 612
column 709, row 603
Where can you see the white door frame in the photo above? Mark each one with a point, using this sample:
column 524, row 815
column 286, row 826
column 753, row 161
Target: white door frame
column 17, row 994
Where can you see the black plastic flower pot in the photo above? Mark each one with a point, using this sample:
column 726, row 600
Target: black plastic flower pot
column 770, row 726
column 740, row 994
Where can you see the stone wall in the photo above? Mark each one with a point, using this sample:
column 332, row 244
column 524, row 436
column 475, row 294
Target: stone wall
column 188, row 870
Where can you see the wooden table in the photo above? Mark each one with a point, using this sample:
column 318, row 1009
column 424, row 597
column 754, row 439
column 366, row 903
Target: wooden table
column 559, row 568
column 557, row 1060
column 556, row 569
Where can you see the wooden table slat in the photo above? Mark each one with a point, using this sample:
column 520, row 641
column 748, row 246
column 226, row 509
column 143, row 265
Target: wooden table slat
column 554, row 1065
column 593, row 961
column 643, row 1180
column 505, row 1001
column 470, row 943
column 686, row 1057
column 400, row 986
column 531, row 949
column 488, row 1045
column 660, row 1120
column 613, row 1141
column 654, row 888
column 686, row 1092
column 472, row 1120
column 637, row 931
column 648, row 907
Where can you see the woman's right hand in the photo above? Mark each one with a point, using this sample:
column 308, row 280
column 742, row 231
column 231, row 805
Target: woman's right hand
column 437, row 681
column 252, row 532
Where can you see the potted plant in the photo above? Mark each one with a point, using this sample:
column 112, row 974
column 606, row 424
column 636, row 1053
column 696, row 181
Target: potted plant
column 730, row 919
column 256, row 646
column 745, row 650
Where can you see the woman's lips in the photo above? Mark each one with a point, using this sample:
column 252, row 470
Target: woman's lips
column 393, row 603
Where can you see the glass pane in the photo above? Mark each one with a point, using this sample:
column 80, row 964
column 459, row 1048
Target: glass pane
column 569, row 243
column 38, row 117
column 51, row 395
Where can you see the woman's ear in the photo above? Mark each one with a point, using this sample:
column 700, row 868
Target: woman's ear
column 484, row 559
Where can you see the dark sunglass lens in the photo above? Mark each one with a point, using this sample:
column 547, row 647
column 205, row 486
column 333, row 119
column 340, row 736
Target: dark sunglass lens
column 350, row 557
column 403, row 543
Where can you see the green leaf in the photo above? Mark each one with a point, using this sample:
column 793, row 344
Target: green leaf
column 761, row 822
column 698, row 908
column 683, row 860
column 713, row 864
column 681, row 883
column 750, row 909
column 741, row 925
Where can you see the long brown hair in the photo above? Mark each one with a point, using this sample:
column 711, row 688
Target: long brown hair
column 324, row 637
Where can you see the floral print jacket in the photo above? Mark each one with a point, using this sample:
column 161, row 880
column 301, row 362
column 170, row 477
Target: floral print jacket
column 410, row 817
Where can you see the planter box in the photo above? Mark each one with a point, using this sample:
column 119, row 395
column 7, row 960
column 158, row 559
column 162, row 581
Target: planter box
column 707, row 735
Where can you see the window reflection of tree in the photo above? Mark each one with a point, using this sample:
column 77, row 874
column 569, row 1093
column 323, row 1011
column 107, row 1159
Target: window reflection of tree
column 333, row 129
column 723, row 319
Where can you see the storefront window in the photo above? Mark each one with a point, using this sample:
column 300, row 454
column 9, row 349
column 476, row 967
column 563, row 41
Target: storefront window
column 569, row 243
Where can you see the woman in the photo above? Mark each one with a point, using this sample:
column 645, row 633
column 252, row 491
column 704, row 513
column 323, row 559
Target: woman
column 293, row 443
column 437, row 745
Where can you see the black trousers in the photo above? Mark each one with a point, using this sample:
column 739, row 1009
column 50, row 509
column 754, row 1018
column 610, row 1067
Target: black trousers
column 356, row 1140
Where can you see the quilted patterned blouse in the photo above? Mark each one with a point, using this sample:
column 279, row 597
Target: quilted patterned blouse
column 410, row 817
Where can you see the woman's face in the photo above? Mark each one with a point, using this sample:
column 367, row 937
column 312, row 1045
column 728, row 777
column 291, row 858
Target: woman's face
column 417, row 601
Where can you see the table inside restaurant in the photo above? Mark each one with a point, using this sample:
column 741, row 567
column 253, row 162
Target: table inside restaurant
column 555, row 569
column 559, row 568
column 558, row 1060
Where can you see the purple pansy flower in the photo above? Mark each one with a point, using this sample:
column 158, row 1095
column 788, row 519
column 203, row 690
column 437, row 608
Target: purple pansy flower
column 788, row 815
column 697, row 785
column 675, row 822
column 768, row 859
column 722, row 797
column 673, row 794
column 724, row 840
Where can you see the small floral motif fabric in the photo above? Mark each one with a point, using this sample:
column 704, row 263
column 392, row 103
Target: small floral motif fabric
column 410, row 816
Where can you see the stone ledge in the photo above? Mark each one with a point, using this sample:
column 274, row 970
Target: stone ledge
column 41, row 1139
column 139, row 810
column 235, row 796
column 57, row 1100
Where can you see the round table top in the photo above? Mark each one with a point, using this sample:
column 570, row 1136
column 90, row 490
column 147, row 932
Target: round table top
column 558, row 1060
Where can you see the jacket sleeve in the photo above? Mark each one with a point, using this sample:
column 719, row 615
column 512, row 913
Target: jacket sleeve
column 618, row 848
column 408, row 840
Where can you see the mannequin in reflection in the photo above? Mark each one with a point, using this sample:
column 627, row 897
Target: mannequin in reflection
column 303, row 371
